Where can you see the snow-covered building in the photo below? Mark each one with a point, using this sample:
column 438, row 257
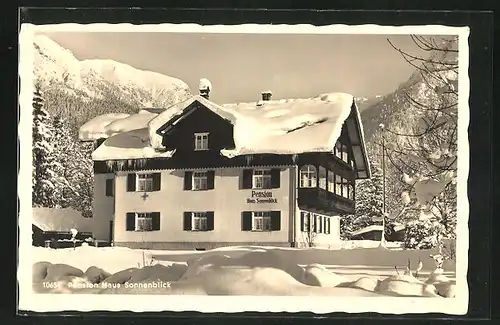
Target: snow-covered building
column 202, row 175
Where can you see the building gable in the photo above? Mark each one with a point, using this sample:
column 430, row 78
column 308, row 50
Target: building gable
column 180, row 132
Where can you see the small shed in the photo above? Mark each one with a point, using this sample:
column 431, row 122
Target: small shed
column 373, row 232
column 51, row 225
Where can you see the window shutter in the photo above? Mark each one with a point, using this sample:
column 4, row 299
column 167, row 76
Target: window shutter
column 328, row 225
column 210, row 179
column 247, row 178
column 312, row 218
column 275, row 220
column 246, row 221
column 109, row 187
column 187, row 221
column 188, row 180
column 275, row 178
column 325, row 228
column 156, row 181
column 210, row 220
column 130, row 221
column 155, row 220
column 320, row 224
column 131, row 182
column 302, row 221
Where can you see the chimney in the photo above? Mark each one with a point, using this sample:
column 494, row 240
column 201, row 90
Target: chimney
column 205, row 87
column 266, row 95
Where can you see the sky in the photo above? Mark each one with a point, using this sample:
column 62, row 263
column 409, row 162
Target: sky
column 241, row 66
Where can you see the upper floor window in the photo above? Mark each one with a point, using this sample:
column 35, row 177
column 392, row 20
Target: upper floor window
column 308, row 176
column 200, row 180
column 331, row 182
column 201, row 141
column 143, row 221
column 341, row 151
column 261, row 178
column 143, row 182
column 322, row 177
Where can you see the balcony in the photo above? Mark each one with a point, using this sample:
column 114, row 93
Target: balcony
column 322, row 201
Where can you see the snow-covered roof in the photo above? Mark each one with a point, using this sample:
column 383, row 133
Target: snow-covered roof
column 96, row 128
column 51, row 219
column 399, row 227
column 287, row 126
column 367, row 229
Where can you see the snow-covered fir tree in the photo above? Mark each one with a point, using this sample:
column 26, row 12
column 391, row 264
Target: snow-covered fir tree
column 43, row 164
column 75, row 168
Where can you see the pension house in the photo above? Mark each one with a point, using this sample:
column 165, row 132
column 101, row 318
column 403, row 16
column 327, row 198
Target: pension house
column 198, row 175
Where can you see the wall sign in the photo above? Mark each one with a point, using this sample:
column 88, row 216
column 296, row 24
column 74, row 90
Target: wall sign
column 262, row 197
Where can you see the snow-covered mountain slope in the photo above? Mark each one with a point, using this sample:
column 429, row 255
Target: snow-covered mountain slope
column 58, row 66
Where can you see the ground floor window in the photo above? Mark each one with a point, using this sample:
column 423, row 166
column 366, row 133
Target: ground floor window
column 199, row 221
column 261, row 220
column 143, row 221
column 314, row 223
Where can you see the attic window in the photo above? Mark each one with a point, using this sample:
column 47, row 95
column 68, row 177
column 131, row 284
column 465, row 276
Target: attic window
column 201, row 141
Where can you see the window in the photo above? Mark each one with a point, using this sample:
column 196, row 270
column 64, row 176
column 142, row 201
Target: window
column 322, row 177
column 351, row 190
column 144, row 182
column 200, row 221
column 319, row 222
column 308, row 176
column 109, row 187
column 200, row 180
column 338, row 185
column 338, row 150
column 261, row 221
column 261, row 178
column 143, row 221
column 345, row 188
column 201, row 141
column 331, row 182
column 341, row 151
column 345, row 155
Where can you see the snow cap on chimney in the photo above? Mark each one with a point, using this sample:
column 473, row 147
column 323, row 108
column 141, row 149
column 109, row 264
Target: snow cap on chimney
column 205, row 87
column 266, row 95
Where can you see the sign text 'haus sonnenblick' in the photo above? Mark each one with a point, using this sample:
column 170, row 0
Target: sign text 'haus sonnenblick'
column 262, row 197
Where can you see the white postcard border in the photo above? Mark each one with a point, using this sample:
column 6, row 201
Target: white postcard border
column 30, row 301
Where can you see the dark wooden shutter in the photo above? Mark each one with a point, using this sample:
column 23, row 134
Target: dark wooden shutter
column 312, row 218
column 320, row 224
column 155, row 220
column 130, row 221
column 328, row 225
column 246, row 221
column 275, row 178
column 275, row 220
column 131, row 182
column 210, row 179
column 302, row 221
column 156, row 181
column 210, row 220
column 325, row 228
column 188, row 181
column 187, row 221
column 247, row 178
column 109, row 187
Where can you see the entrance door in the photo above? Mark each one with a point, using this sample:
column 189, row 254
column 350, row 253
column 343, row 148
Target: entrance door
column 111, row 232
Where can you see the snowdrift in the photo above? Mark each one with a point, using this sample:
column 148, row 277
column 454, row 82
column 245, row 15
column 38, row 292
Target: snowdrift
column 245, row 271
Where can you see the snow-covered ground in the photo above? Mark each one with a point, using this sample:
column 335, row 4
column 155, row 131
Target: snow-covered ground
column 248, row 270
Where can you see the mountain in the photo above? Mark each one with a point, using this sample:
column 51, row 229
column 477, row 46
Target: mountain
column 80, row 90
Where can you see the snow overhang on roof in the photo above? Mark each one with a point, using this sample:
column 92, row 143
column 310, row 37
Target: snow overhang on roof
column 367, row 229
column 60, row 220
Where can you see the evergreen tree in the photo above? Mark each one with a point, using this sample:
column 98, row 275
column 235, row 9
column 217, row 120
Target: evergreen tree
column 370, row 198
column 44, row 188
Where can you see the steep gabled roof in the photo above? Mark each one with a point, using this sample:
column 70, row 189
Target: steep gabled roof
column 289, row 126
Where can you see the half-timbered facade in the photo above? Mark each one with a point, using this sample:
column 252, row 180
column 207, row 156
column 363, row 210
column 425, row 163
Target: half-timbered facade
column 189, row 181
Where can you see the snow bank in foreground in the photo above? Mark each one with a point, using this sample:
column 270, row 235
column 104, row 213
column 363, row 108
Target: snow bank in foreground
column 232, row 272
